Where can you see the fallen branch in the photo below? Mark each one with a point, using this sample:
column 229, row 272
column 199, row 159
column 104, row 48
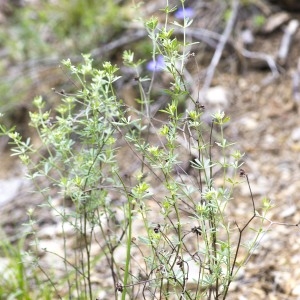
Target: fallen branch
column 219, row 50
column 286, row 41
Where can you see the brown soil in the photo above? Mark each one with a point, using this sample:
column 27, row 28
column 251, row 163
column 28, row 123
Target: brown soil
column 265, row 124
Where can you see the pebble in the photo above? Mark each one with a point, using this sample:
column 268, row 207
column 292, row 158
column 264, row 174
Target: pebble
column 217, row 98
column 295, row 136
column 9, row 189
column 296, row 291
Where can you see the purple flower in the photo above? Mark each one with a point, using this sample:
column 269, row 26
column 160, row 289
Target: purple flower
column 157, row 65
column 187, row 12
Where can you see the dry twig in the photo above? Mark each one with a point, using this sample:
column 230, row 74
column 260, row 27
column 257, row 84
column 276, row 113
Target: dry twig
column 219, row 50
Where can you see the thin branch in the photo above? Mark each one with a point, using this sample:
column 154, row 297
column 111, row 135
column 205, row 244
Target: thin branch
column 286, row 41
column 219, row 50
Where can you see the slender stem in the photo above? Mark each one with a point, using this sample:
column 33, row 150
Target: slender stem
column 128, row 249
column 241, row 230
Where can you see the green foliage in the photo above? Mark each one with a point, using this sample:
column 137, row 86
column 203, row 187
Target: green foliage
column 182, row 219
column 93, row 21
column 259, row 21
column 17, row 273
column 38, row 33
column 13, row 282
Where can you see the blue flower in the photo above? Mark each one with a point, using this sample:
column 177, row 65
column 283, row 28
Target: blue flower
column 156, row 65
column 187, row 12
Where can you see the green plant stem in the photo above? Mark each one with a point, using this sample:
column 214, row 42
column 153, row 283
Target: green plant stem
column 88, row 254
column 128, row 250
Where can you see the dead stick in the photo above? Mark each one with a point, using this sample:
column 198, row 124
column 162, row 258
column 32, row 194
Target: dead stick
column 219, row 50
column 286, row 41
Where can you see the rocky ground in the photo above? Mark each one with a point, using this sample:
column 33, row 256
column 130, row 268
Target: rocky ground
column 260, row 90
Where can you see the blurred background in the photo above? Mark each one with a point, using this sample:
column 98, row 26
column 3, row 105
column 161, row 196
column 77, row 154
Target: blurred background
column 257, row 82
